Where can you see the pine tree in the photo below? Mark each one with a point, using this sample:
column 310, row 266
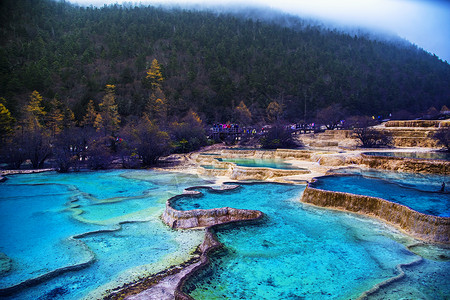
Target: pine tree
column 156, row 107
column 154, row 76
column 55, row 117
column 6, row 121
column 243, row 114
column 90, row 116
column 34, row 112
column 274, row 111
column 109, row 113
column 68, row 118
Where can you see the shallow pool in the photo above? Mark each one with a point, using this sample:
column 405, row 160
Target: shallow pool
column 52, row 221
column 420, row 192
column 415, row 155
column 44, row 219
column 260, row 163
column 300, row 252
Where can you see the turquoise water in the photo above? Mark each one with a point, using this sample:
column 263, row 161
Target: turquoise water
column 421, row 182
column 419, row 192
column 260, row 163
column 416, row 155
column 211, row 167
column 40, row 213
column 295, row 251
column 300, row 252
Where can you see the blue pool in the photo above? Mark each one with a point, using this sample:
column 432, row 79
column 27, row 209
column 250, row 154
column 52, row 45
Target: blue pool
column 260, row 163
column 107, row 225
column 300, row 252
column 420, row 192
column 44, row 219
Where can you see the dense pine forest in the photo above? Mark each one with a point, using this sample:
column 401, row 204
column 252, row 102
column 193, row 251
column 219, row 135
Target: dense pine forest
column 210, row 62
column 136, row 81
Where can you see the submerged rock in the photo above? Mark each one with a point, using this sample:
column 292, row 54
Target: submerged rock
column 5, row 264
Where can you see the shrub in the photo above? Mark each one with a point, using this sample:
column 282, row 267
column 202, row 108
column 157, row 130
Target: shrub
column 278, row 136
column 443, row 137
column 371, row 138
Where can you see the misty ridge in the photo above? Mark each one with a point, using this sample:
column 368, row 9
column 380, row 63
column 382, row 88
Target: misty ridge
column 263, row 13
column 212, row 58
column 87, row 85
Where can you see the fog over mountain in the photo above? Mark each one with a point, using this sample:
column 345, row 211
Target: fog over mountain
column 423, row 23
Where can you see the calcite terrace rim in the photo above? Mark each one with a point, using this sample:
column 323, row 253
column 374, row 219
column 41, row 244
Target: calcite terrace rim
column 217, row 216
column 376, row 155
column 405, row 164
column 213, row 244
column 443, row 221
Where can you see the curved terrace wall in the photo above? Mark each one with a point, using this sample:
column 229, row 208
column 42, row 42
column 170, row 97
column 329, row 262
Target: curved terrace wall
column 186, row 219
column 418, row 123
column 406, row 164
column 419, row 225
column 268, row 154
column 235, row 172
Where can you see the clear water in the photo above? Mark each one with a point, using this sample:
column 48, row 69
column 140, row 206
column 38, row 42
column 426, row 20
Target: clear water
column 416, row 155
column 300, row 252
column 211, row 167
column 260, row 163
column 419, row 192
column 421, row 182
column 39, row 213
column 295, row 251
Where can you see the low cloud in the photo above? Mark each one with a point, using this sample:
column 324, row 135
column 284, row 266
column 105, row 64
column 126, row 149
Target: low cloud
column 424, row 23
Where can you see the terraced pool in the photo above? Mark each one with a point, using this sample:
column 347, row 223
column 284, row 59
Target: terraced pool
column 300, row 252
column 419, row 195
column 260, row 163
column 86, row 223
column 81, row 235
column 415, row 155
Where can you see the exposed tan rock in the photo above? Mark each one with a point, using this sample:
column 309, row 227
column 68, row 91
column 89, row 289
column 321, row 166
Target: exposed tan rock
column 413, row 123
column 406, row 164
column 422, row 226
column 206, row 217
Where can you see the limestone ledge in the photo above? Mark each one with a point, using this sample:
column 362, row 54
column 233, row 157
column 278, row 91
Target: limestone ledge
column 425, row 227
column 260, row 153
column 205, row 217
column 243, row 173
column 30, row 171
column 418, row 123
column 406, row 164
column 209, row 244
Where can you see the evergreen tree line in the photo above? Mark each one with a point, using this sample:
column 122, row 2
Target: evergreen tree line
column 211, row 63
column 98, row 139
column 87, row 85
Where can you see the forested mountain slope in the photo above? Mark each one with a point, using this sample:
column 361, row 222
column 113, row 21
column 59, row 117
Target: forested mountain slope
column 210, row 62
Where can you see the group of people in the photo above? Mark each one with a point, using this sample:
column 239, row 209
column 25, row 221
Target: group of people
column 226, row 128
column 233, row 128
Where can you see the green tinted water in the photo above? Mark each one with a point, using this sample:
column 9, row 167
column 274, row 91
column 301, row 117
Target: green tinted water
column 260, row 163
column 39, row 213
column 300, row 252
column 420, row 192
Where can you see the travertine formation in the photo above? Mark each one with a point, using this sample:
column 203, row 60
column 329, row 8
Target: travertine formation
column 418, row 123
column 205, row 217
column 232, row 171
column 421, row 226
column 406, row 164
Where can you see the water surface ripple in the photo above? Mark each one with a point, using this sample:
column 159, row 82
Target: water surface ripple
column 301, row 252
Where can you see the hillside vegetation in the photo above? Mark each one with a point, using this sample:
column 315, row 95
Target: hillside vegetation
column 210, row 62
